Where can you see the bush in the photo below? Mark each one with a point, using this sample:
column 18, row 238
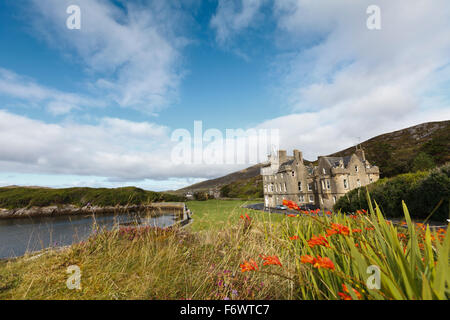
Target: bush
column 422, row 191
column 423, row 161
column 201, row 196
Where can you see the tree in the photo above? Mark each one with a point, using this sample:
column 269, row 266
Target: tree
column 422, row 162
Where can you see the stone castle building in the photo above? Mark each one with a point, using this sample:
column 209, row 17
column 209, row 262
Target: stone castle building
column 288, row 178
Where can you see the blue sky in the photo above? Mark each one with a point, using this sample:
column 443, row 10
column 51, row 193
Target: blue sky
column 97, row 106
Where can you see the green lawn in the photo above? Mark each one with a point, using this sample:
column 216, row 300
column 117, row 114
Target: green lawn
column 215, row 214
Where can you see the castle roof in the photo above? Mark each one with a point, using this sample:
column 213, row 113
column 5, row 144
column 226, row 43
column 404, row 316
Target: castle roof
column 334, row 161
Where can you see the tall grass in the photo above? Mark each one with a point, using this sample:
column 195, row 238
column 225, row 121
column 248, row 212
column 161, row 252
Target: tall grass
column 147, row 263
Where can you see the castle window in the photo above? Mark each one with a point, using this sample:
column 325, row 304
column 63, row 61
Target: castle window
column 345, row 184
column 309, row 186
column 356, row 168
column 328, row 184
column 299, row 186
column 311, row 198
column 285, row 189
column 293, row 173
column 301, row 198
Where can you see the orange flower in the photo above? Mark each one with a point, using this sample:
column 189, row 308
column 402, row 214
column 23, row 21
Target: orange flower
column 294, row 237
column 292, row 215
column 270, row 260
column 324, row 262
column 346, row 296
column 318, row 241
column 341, row 229
column 371, row 228
column 246, row 217
column 401, row 236
column 356, row 230
column 307, row 259
column 249, row 266
column 330, row 232
column 328, row 213
column 318, row 262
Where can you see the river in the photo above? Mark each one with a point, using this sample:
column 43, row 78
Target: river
column 18, row 236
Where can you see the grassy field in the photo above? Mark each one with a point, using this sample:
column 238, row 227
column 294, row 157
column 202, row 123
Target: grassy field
column 217, row 214
column 234, row 253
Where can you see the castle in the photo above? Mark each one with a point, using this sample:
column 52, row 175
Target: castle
column 288, row 178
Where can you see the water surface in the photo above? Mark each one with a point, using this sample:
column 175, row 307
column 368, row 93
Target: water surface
column 18, row 236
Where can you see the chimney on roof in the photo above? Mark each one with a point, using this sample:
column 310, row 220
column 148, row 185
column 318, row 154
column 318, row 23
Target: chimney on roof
column 282, row 156
column 298, row 156
column 360, row 153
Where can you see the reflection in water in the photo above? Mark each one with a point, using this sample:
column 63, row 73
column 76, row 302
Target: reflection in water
column 18, row 236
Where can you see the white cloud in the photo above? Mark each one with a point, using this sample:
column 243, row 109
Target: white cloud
column 115, row 149
column 350, row 63
column 27, row 90
column 132, row 55
column 234, row 16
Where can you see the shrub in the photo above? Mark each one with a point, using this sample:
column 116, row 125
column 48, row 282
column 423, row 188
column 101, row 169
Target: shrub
column 422, row 191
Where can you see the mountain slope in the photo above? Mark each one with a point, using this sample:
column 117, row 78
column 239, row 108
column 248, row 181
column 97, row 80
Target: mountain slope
column 393, row 152
column 244, row 174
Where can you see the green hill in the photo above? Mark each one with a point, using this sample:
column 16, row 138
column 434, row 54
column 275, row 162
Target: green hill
column 21, row 197
column 395, row 152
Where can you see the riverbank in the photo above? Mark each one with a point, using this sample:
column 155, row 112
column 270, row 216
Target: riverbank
column 65, row 210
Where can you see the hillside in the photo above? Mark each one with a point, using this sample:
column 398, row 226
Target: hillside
column 21, row 197
column 242, row 175
column 393, row 152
